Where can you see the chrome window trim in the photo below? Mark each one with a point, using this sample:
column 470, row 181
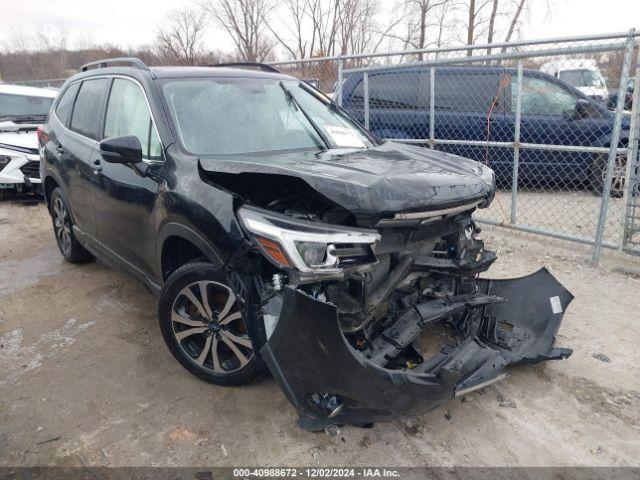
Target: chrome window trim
column 112, row 76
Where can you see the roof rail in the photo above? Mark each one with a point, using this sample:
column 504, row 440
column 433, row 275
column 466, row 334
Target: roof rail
column 248, row 65
column 130, row 61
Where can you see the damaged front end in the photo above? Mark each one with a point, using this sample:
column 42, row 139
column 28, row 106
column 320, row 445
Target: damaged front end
column 371, row 324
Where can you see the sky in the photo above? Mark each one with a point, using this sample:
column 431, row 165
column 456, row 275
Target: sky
column 134, row 22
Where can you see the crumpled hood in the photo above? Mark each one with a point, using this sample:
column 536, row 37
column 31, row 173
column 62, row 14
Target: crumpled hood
column 385, row 179
column 20, row 139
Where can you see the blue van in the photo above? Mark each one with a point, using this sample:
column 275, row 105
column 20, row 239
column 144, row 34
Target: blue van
column 553, row 113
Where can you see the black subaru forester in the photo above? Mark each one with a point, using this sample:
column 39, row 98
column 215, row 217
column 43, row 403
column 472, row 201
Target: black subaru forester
column 279, row 233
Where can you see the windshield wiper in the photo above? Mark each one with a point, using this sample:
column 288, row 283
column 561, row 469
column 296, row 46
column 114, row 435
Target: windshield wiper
column 315, row 126
column 23, row 118
column 332, row 106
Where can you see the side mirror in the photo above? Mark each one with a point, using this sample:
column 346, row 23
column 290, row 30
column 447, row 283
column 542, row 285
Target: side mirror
column 121, row 150
column 582, row 108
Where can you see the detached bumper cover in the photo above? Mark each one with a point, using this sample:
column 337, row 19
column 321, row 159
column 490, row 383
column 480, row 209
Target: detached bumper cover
column 308, row 354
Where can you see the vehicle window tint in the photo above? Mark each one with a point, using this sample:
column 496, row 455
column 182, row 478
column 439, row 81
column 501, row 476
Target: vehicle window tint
column 85, row 118
column 222, row 116
column 542, row 97
column 128, row 114
column 465, row 92
column 63, row 109
column 389, row 90
column 23, row 105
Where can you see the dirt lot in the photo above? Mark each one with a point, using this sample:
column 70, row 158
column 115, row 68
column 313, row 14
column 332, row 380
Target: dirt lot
column 572, row 212
column 86, row 379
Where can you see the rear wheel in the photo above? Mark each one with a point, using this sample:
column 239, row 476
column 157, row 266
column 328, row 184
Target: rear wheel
column 206, row 320
column 599, row 174
column 69, row 246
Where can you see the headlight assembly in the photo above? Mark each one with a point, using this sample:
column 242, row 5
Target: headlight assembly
column 4, row 161
column 488, row 177
column 306, row 246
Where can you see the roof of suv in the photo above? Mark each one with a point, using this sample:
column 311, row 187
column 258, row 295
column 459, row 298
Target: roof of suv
column 135, row 66
column 184, row 72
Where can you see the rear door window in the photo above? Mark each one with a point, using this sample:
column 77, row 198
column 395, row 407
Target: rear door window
column 465, row 91
column 87, row 110
column 63, row 109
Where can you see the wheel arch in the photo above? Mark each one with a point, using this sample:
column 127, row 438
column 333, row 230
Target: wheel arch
column 49, row 185
column 179, row 244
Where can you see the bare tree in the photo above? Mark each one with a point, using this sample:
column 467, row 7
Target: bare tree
column 292, row 30
column 420, row 18
column 476, row 18
column 514, row 22
column 359, row 29
column 180, row 38
column 423, row 9
column 492, row 24
column 442, row 23
column 245, row 22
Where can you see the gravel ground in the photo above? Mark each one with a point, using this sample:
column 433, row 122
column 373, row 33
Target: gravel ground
column 85, row 378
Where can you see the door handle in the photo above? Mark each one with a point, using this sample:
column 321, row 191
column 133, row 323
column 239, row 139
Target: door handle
column 97, row 166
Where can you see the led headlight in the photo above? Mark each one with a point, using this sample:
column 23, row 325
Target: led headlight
column 309, row 247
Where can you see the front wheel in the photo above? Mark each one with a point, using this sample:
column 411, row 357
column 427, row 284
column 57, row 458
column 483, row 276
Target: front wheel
column 205, row 318
column 599, row 173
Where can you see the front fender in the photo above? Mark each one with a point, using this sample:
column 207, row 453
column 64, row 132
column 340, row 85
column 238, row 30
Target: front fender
column 192, row 235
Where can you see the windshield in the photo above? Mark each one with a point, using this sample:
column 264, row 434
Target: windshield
column 222, row 116
column 581, row 78
column 24, row 106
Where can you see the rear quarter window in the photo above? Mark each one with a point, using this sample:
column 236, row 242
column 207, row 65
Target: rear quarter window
column 87, row 109
column 388, row 90
column 63, row 109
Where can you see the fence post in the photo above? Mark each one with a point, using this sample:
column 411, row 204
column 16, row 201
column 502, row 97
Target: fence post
column 632, row 158
column 365, row 87
column 338, row 92
column 613, row 150
column 432, row 107
column 516, row 145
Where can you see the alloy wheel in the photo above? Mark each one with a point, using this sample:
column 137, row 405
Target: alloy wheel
column 207, row 324
column 619, row 175
column 62, row 225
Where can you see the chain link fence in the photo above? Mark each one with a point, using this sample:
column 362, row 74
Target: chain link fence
column 556, row 119
column 549, row 116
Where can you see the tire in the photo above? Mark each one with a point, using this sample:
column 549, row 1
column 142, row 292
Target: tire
column 598, row 172
column 71, row 249
column 217, row 338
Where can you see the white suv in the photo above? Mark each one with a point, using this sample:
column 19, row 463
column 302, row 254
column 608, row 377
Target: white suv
column 22, row 111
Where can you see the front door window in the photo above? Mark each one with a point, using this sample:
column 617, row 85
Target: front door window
column 128, row 114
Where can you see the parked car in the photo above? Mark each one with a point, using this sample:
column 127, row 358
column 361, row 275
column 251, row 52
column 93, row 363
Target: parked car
column 22, row 111
column 278, row 231
column 583, row 74
column 553, row 113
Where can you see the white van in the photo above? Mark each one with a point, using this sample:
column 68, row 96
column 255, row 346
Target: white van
column 581, row 73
